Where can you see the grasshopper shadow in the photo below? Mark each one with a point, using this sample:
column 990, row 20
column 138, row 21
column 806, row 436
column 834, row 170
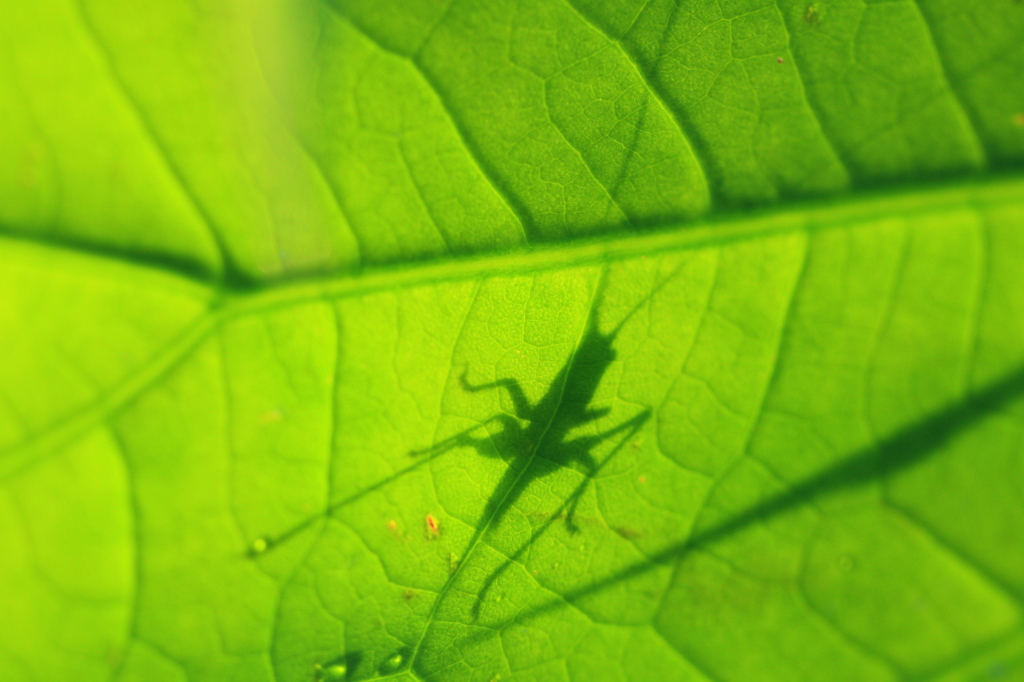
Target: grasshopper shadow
column 536, row 440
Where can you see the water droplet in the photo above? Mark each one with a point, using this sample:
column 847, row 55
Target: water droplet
column 259, row 545
column 336, row 672
column 394, row 662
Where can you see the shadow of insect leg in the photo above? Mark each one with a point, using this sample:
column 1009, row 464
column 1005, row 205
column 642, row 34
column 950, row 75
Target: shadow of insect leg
column 582, row 447
column 585, row 444
column 515, row 392
column 463, row 438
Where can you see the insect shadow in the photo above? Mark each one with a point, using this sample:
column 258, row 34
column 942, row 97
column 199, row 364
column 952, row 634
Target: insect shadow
column 565, row 406
column 536, row 439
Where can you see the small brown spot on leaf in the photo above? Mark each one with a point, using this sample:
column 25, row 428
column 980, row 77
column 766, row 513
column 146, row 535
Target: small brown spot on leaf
column 31, row 168
column 114, row 656
column 393, row 527
column 271, row 416
column 433, row 527
column 627, row 533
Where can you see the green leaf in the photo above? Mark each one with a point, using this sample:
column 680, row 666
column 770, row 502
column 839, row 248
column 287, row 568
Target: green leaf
column 536, row 340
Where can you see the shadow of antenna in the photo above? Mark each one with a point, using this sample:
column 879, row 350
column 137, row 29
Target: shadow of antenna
column 262, row 545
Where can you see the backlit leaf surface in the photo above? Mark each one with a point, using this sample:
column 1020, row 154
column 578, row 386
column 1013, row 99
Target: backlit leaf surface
column 534, row 340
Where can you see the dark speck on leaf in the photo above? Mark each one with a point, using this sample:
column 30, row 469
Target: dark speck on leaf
column 433, row 527
column 627, row 532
